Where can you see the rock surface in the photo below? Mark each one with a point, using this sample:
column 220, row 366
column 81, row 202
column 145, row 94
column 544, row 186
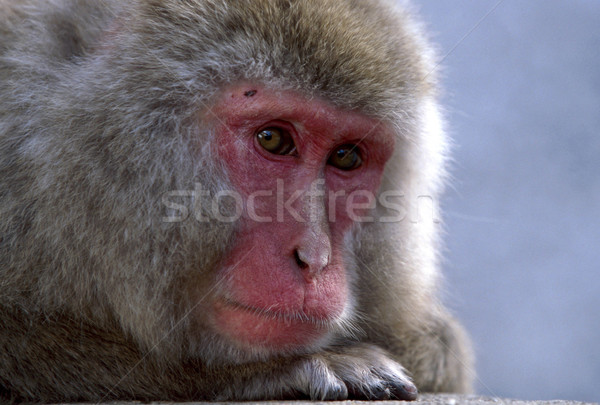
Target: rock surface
column 439, row 399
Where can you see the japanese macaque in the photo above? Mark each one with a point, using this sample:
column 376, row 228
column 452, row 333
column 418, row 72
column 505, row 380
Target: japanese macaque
column 219, row 200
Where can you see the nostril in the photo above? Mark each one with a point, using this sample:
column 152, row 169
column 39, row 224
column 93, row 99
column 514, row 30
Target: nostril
column 299, row 261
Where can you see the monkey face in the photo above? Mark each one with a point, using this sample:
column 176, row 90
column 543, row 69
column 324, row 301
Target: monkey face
column 307, row 172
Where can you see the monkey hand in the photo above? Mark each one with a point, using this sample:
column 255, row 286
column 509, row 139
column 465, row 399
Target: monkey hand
column 360, row 372
column 363, row 372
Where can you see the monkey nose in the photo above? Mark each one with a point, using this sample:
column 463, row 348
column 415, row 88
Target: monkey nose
column 313, row 257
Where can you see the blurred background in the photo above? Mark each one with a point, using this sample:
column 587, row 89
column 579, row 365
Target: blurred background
column 522, row 89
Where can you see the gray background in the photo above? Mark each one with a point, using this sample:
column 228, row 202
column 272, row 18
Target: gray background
column 523, row 212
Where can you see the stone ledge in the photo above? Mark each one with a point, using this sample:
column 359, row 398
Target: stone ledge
column 437, row 399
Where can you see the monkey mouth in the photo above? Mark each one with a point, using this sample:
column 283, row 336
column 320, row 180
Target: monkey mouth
column 271, row 329
column 282, row 316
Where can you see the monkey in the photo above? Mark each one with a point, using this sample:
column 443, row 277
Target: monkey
column 219, row 200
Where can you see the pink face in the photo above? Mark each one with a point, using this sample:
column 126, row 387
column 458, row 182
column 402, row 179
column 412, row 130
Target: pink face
column 304, row 169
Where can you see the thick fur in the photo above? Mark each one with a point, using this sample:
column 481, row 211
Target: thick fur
column 99, row 117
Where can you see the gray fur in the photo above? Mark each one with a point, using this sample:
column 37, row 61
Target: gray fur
column 99, row 118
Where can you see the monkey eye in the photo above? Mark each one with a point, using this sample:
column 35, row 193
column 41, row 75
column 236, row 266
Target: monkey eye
column 276, row 141
column 346, row 157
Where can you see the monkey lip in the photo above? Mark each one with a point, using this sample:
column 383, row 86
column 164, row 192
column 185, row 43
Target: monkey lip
column 280, row 315
column 275, row 330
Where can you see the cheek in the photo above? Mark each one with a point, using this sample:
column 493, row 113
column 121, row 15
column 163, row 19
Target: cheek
column 252, row 175
column 351, row 200
column 236, row 155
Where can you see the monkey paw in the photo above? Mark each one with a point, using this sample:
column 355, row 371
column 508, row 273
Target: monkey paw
column 362, row 372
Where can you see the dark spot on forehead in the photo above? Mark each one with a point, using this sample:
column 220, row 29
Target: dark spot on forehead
column 250, row 93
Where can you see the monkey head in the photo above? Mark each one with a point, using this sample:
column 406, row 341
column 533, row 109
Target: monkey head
column 199, row 201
